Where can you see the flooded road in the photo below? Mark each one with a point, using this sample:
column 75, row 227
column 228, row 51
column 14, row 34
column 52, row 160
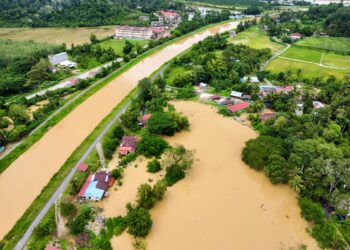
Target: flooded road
column 27, row 176
column 222, row 204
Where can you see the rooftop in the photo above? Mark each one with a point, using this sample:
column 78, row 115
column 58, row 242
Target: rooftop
column 238, row 106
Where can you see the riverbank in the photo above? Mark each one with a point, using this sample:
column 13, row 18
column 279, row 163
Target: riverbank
column 70, row 132
column 222, row 203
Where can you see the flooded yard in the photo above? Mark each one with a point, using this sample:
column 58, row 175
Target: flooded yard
column 222, row 203
column 25, row 178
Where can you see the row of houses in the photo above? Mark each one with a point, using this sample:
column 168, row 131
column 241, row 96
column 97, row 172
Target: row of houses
column 158, row 29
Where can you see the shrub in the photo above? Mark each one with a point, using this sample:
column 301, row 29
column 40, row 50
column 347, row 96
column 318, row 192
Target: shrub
column 311, row 211
column 118, row 132
column 17, row 132
column 46, row 227
column 327, row 236
column 186, row 92
column 151, row 146
column 115, row 226
column 225, row 112
column 77, row 225
column 139, row 221
column 257, row 151
column 117, row 173
column 154, row 166
column 67, row 209
column 109, row 147
column 127, row 159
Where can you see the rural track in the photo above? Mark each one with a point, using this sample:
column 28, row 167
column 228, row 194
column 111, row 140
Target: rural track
column 318, row 64
column 263, row 67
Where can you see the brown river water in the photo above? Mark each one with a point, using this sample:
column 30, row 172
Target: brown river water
column 27, row 176
column 222, row 204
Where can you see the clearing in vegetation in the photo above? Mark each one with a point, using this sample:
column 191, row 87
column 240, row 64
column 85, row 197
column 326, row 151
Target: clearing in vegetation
column 304, row 54
column 118, row 44
column 12, row 49
column 56, row 35
column 337, row 44
column 257, row 39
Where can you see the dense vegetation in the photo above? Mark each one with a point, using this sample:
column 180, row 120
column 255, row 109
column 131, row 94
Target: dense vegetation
column 311, row 153
column 332, row 19
column 50, row 13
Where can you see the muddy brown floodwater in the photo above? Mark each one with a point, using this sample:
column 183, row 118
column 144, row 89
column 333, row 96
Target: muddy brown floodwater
column 26, row 177
column 222, row 204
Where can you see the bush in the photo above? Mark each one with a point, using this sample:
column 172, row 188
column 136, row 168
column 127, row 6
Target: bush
column 327, row 236
column 257, row 151
column 109, row 147
column 311, row 211
column 225, row 112
column 276, row 169
column 67, row 209
column 151, row 146
column 77, row 225
column 117, row 173
column 46, row 227
column 154, row 166
column 115, row 226
column 17, row 132
column 139, row 221
column 118, row 132
column 186, row 92
column 127, row 159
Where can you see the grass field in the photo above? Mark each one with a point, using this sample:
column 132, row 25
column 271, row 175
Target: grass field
column 338, row 44
column 257, row 39
column 12, row 49
column 56, row 35
column 336, row 60
column 175, row 72
column 303, row 54
column 308, row 70
column 118, row 44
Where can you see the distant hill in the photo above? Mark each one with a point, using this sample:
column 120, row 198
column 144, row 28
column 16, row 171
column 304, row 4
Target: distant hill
column 77, row 13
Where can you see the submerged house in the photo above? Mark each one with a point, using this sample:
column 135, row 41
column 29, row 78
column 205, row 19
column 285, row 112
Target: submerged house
column 128, row 145
column 238, row 106
column 96, row 185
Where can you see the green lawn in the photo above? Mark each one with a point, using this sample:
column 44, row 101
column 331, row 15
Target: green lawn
column 308, row 70
column 305, row 54
column 332, row 59
column 257, row 39
column 338, row 44
column 118, row 44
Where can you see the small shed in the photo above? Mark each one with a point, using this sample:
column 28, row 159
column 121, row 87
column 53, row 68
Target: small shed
column 236, row 94
column 82, row 167
column 318, row 105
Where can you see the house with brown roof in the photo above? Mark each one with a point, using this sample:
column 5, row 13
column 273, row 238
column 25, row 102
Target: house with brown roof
column 96, row 185
column 128, row 145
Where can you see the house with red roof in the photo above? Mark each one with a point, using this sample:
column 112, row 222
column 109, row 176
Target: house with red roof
column 128, row 145
column 169, row 16
column 267, row 115
column 285, row 89
column 144, row 119
column 238, row 106
column 295, row 36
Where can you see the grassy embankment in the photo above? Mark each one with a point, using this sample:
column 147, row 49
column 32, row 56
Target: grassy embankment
column 56, row 36
column 23, row 223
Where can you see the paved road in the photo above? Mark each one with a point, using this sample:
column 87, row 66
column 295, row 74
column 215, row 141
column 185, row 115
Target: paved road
column 21, row 243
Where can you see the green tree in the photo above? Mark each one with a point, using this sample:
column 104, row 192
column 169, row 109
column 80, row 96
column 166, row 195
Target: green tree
column 151, row 145
column 67, row 209
column 39, row 73
column 154, row 166
column 127, row 47
column 276, row 169
column 139, row 221
column 18, row 113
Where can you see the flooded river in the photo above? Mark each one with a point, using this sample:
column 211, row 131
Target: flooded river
column 222, row 204
column 26, row 177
